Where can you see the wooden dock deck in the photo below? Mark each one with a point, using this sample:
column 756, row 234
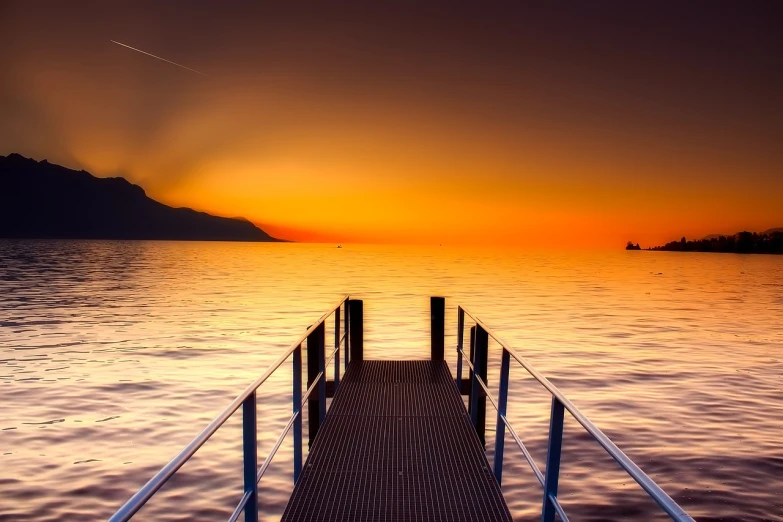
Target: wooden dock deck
column 397, row 444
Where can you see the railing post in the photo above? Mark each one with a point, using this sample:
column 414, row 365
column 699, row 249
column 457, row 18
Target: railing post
column 460, row 336
column 250, row 456
column 337, row 349
column 321, row 332
column 472, row 356
column 500, row 426
column 315, row 365
column 357, row 329
column 437, row 327
column 297, row 408
column 478, row 412
column 553, row 460
column 347, row 328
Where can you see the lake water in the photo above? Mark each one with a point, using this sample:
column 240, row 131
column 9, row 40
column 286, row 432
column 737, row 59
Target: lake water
column 113, row 355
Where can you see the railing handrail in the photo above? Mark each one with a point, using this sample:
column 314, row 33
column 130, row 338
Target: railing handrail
column 653, row 490
column 141, row 497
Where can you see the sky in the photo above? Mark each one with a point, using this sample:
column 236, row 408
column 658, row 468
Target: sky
column 578, row 124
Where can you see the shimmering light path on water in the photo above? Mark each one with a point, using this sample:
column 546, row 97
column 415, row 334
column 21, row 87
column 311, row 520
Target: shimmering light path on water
column 113, row 355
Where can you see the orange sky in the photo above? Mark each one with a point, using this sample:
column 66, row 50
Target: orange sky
column 410, row 125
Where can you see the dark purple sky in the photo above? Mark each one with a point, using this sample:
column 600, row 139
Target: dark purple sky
column 638, row 119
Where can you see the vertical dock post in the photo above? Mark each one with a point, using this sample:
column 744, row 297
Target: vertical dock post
column 478, row 398
column 321, row 331
column 500, row 426
column 347, row 328
column 297, row 407
column 472, row 356
column 356, row 321
column 336, row 349
column 250, row 456
column 553, row 460
column 460, row 338
column 437, row 327
column 316, row 364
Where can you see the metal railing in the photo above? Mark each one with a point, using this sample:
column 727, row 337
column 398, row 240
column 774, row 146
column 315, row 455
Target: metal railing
column 560, row 404
column 316, row 362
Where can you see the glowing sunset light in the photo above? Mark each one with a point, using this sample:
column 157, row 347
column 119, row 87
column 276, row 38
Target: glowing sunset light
column 455, row 125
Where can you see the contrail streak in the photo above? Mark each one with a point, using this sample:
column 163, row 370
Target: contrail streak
column 159, row 58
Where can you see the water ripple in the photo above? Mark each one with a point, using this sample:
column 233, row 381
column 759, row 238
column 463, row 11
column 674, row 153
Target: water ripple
column 113, row 355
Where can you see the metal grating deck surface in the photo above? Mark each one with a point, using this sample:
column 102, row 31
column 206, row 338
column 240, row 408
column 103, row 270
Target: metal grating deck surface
column 397, row 444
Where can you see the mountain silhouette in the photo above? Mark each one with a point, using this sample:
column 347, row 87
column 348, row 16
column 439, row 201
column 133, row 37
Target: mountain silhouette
column 43, row 200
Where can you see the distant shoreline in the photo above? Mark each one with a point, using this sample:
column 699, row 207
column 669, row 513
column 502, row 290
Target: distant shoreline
column 767, row 242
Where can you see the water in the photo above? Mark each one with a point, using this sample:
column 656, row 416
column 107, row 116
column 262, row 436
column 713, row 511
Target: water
column 113, row 355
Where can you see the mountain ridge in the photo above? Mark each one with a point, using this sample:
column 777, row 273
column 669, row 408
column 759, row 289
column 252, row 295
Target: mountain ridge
column 767, row 232
column 39, row 199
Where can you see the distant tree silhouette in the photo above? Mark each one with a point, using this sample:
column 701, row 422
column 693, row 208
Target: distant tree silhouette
column 745, row 242
column 741, row 243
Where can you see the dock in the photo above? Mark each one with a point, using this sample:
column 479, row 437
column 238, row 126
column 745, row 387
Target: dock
column 397, row 441
column 397, row 444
